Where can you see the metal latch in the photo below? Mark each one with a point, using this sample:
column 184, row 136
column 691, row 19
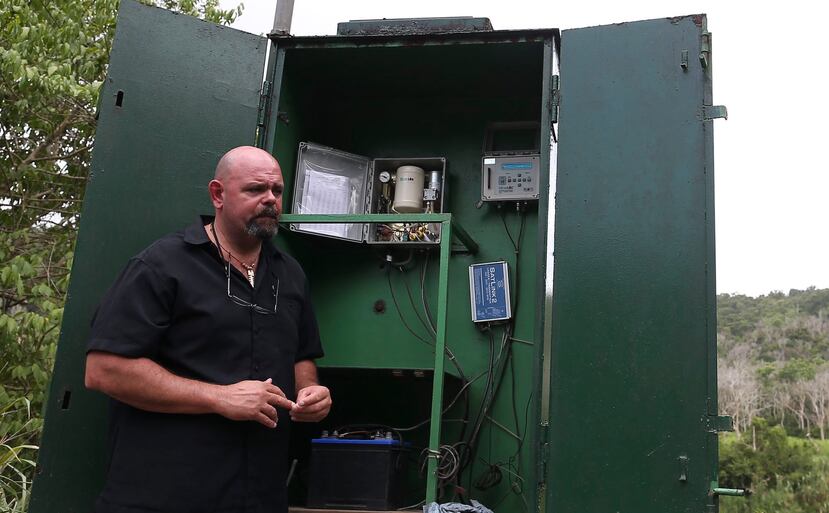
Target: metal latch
column 710, row 112
column 683, row 468
column 732, row 492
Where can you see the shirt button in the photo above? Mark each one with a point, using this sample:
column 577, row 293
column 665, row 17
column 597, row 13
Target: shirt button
column 256, row 368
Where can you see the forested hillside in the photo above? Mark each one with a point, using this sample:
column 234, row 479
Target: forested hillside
column 773, row 380
column 773, row 359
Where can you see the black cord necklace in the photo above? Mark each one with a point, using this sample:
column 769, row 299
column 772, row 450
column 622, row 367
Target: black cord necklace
column 250, row 269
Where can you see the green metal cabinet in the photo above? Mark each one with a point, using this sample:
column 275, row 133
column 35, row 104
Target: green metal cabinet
column 609, row 403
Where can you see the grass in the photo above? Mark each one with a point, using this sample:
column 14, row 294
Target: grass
column 17, row 455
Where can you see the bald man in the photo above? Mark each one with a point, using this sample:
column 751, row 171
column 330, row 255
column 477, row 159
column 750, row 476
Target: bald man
column 206, row 344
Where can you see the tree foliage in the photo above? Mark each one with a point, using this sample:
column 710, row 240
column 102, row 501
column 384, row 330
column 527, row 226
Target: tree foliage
column 764, row 456
column 782, row 474
column 53, row 58
column 774, row 359
column 772, row 353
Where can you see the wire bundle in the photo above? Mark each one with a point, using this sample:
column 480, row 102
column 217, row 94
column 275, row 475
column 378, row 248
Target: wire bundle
column 455, row 459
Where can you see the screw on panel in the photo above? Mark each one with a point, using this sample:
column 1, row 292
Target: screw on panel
column 684, row 60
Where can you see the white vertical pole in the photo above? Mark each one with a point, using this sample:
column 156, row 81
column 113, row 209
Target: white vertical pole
column 282, row 16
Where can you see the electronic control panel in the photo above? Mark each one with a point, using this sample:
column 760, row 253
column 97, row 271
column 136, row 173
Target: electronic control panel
column 510, row 178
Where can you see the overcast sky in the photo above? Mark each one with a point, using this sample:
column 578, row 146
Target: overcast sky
column 769, row 61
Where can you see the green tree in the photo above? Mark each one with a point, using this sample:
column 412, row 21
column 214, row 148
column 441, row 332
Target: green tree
column 764, row 456
column 53, row 58
column 783, row 474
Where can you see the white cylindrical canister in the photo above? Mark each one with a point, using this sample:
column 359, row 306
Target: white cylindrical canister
column 408, row 189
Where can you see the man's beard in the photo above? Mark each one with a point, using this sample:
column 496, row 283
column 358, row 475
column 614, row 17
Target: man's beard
column 263, row 231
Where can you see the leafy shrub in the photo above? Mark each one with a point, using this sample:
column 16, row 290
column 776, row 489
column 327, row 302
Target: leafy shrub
column 783, row 474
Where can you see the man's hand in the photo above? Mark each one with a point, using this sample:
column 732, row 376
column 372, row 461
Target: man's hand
column 144, row 384
column 253, row 400
column 312, row 404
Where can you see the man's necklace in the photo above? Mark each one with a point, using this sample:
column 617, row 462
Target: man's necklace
column 250, row 269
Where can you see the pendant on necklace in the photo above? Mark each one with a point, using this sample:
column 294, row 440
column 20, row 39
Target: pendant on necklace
column 249, row 272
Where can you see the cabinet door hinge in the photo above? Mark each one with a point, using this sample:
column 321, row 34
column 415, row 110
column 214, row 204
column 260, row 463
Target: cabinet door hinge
column 262, row 114
column 717, row 423
column 555, row 97
column 543, row 451
column 705, row 49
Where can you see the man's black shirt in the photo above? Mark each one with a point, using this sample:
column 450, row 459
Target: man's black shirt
column 170, row 304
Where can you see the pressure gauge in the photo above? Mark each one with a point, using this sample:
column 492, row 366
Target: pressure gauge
column 385, row 176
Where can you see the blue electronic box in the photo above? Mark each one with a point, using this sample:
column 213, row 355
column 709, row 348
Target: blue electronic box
column 489, row 292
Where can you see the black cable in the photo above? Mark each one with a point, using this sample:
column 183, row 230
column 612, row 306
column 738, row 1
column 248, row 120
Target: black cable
column 365, row 429
column 429, row 327
column 519, row 492
column 448, row 351
column 517, row 287
column 400, row 312
column 423, row 293
column 514, row 411
column 492, row 476
column 486, row 479
column 446, row 476
column 517, row 486
column 504, row 221
column 489, row 378
column 463, row 389
column 468, row 457
column 497, row 372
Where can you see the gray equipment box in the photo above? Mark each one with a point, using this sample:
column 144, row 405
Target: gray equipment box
column 513, row 178
column 510, row 164
column 332, row 181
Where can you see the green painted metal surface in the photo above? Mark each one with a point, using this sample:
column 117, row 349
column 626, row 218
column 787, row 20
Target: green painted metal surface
column 190, row 92
column 437, row 383
column 391, row 98
column 633, row 342
column 437, row 407
column 617, row 393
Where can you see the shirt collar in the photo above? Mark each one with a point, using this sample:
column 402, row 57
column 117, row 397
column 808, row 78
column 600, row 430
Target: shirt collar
column 196, row 235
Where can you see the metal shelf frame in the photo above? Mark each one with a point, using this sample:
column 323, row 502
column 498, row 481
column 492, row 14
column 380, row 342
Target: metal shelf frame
column 449, row 228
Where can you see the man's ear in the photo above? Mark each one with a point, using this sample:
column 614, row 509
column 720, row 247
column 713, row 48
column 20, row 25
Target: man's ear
column 216, row 190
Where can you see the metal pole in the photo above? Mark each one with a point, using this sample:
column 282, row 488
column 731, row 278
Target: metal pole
column 440, row 347
column 282, row 17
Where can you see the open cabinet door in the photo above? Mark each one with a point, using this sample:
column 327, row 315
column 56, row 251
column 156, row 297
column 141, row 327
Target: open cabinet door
column 179, row 93
column 633, row 389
